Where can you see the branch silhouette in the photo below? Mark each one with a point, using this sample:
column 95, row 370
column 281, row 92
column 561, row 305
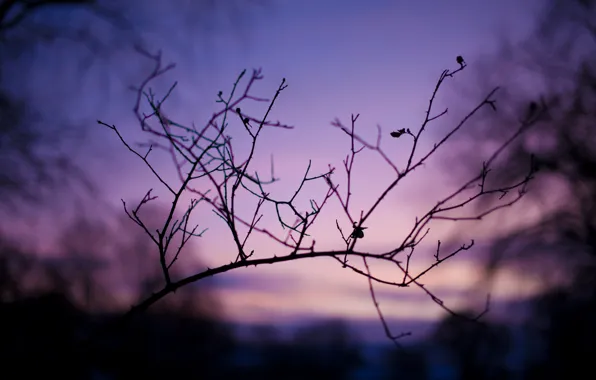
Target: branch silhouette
column 210, row 170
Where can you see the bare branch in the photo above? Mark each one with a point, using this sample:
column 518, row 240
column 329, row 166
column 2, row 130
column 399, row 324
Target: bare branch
column 208, row 167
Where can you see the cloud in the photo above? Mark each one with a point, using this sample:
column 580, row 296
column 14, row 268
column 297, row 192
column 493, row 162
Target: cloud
column 292, row 294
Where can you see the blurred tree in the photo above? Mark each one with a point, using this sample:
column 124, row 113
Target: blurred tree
column 321, row 350
column 562, row 142
column 37, row 143
column 559, row 245
column 476, row 350
column 37, row 334
column 562, row 325
column 411, row 362
column 328, row 346
column 83, row 284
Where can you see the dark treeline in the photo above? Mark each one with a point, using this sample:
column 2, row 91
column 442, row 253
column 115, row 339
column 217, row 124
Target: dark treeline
column 46, row 332
column 57, row 312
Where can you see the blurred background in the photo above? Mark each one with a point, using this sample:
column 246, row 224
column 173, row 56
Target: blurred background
column 70, row 258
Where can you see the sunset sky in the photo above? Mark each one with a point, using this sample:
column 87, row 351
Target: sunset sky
column 379, row 58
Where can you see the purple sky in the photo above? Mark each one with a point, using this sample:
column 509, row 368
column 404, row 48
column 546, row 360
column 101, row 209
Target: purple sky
column 379, row 58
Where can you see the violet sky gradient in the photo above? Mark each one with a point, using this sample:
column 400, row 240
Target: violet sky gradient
column 379, row 58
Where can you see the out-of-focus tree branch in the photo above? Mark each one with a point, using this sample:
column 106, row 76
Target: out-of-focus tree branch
column 36, row 144
column 563, row 59
column 557, row 246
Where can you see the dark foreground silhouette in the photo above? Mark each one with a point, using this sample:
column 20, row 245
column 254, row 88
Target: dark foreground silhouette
column 41, row 336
